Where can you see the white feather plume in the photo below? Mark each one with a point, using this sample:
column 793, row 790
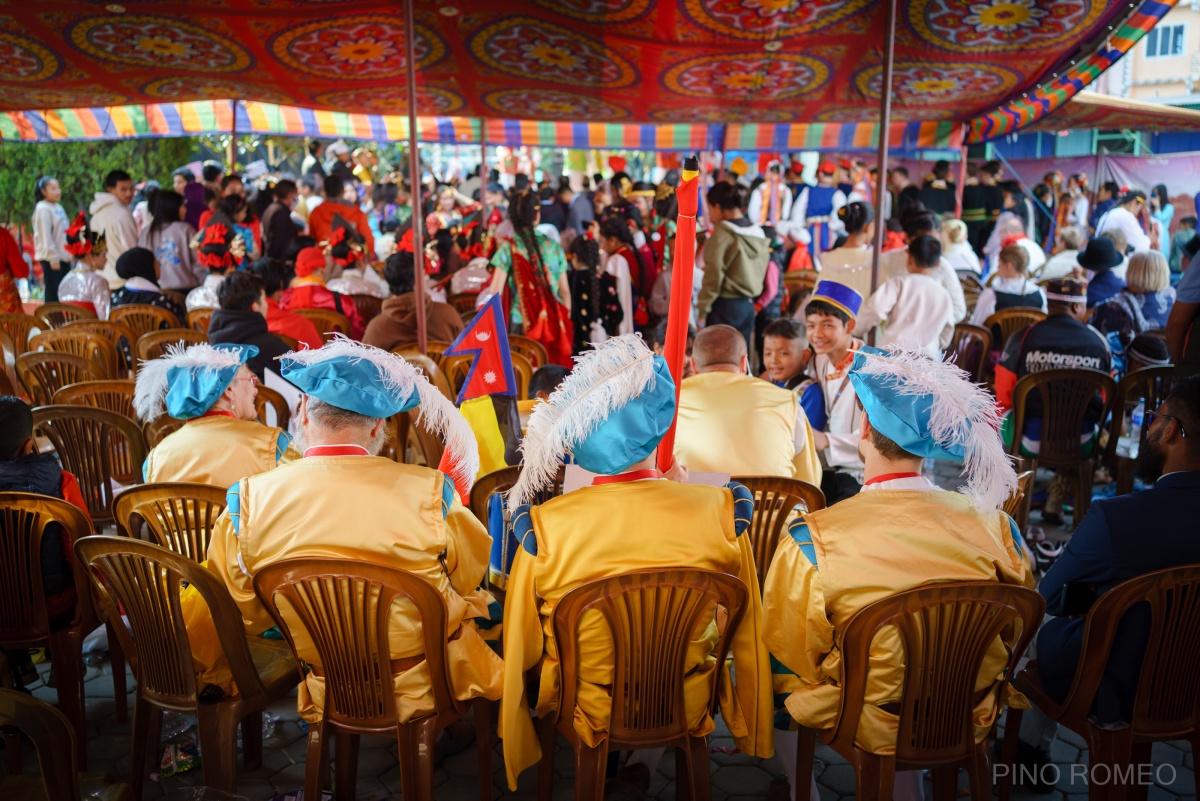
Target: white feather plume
column 962, row 414
column 437, row 413
column 603, row 381
column 150, row 394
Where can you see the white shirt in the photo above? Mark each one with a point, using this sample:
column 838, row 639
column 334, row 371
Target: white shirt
column 844, row 421
column 1122, row 219
column 760, row 204
column 616, row 266
column 1059, row 265
column 851, row 267
column 913, row 311
column 962, row 257
column 205, row 295
column 894, row 264
column 986, row 305
column 360, row 282
column 1079, row 213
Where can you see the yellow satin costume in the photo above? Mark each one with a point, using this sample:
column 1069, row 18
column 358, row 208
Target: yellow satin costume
column 744, row 426
column 218, row 450
column 864, row 549
column 605, row 530
column 369, row 508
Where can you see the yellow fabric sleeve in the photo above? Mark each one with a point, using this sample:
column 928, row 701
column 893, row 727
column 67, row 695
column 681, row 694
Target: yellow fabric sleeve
column 806, row 465
column 747, row 710
column 522, row 651
column 290, row 455
column 468, row 546
column 223, row 562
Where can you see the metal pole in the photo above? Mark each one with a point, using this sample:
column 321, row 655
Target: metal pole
column 231, row 155
column 484, row 175
column 962, row 179
column 885, row 121
column 414, row 176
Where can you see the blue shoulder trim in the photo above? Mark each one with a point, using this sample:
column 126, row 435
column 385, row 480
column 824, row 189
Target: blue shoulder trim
column 447, row 495
column 800, row 533
column 1016, row 535
column 281, row 445
column 145, row 462
column 233, row 505
column 743, row 507
column 522, row 526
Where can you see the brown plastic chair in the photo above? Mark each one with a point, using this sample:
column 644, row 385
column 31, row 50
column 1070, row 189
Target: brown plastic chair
column 775, row 500
column 46, row 372
column 1009, row 321
column 291, row 342
column 1017, row 506
column 198, row 319
column 456, row 369
column 368, row 306
column 155, row 343
column 434, row 349
column 144, row 581
column 1065, row 395
column 115, row 395
column 327, row 321
column 463, row 302
column 429, row 366
column 1166, row 705
column 56, row 315
column 269, row 397
column 8, row 366
column 180, row 515
column 120, row 335
column 652, row 616
column 158, row 429
column 344, row 606
column 468, row 316
column 968, row 349
column 531, row 349
column 98, row 447
column 1150, row 385
column 18, row 327
column 53, row 738
column 946, row 631
column 24, row 619
column 489, row 484
column 80, row 343
column 144, row 317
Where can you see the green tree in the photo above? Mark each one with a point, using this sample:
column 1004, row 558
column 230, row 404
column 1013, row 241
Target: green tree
column 80, row 168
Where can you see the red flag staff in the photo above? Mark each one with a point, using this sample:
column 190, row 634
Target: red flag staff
column 680, row 312
column 414, row 178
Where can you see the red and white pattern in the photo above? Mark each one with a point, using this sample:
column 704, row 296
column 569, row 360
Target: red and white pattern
column 1012, row 25
column 360, row 47
column 529, row 48
column 157, row 42
column 23, row 59
column 751, row 76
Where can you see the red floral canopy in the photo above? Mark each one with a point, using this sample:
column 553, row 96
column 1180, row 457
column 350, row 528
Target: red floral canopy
column 718, row 61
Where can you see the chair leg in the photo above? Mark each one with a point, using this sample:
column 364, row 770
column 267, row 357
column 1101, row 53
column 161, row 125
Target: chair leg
column 218, row 748
column 548, row 736
column 980, row 773
column 806, row 744
column 315, row 761
column 426, row 740
column 66, row 656
column 144, row 714
column 701, row 786
column 116, row 658
column 1114, row 750
column 1012, row 731
column 252, row 740
column 683, row 773
column 345, row 769
column 483, row 744
column 589, row 771
column 1083, row 491
column 945, row 783
column 874, row 776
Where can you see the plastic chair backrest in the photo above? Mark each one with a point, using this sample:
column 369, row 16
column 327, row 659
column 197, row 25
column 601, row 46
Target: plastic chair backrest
column 344, row 606
column 198, row 319
column 1016, row 502
column 946, row 632
column 181, row 516
column 119, row 334
column 159, row 429
column 968, row 349
column 488, row 485
column 463, row 301
column 291, row 342
column 115, row 395
column 46, row 372
column 653, row 617
column 87, row 344
column 18, row 327
column 56, row 315
column 8, row 363
column 143, row 580
column 368, row 306
column 154, row 344
column 24, row 518
column 326, row 321
column 1010, row 321
column 775, row 498
column 429, row 366
column 144, row 318
column 523, row 372
column 531, row 349
column 434, row 349
column 1066, row 395
column 1167, row 701
column 53, row 738
column 429, row 441
column 269, row 397
column 97, row 446
column 1149, row 384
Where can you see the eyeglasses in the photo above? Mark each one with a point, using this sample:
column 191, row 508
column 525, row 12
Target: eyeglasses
column 1149, row 417
column 252, row 378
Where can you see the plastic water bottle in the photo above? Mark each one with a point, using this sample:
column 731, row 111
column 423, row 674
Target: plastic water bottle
column 1135, row 428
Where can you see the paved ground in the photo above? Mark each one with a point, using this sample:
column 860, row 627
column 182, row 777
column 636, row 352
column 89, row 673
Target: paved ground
column 735, row 776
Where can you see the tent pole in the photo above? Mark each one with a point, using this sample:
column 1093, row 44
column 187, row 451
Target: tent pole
column 484, row 174
column 885, row 122
column 414, row 176
column 962, row 178
column 231, row 155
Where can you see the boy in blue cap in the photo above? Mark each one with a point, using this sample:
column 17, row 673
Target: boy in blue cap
column 899, row 533
column 610, row 414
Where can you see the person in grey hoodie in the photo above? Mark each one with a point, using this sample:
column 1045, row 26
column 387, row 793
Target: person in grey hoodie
column 111, row 216
column 735, row 263
column 169, row 236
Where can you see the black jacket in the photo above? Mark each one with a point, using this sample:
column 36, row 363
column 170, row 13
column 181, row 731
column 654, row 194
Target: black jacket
column 247, row 328
column 278, row 230
column 41, row 473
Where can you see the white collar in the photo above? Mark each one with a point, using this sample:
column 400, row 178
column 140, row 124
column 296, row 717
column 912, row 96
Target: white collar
column 919, row 483
column 139, row 284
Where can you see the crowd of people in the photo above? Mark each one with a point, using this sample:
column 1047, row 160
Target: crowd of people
column 778, row 382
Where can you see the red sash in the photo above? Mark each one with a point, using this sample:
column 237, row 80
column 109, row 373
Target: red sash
column 546, row 320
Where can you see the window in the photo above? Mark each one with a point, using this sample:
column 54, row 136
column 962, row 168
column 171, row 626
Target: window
column 1165, row 40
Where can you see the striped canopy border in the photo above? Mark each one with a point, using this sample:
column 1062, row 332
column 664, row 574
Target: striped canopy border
column 843, row 137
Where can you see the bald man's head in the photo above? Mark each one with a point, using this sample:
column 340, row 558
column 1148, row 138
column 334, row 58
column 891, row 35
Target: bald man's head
column 718, row 345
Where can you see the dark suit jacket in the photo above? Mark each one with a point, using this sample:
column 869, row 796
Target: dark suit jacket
column 1119, row 539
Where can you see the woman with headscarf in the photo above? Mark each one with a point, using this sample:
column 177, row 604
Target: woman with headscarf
column 136, row 266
